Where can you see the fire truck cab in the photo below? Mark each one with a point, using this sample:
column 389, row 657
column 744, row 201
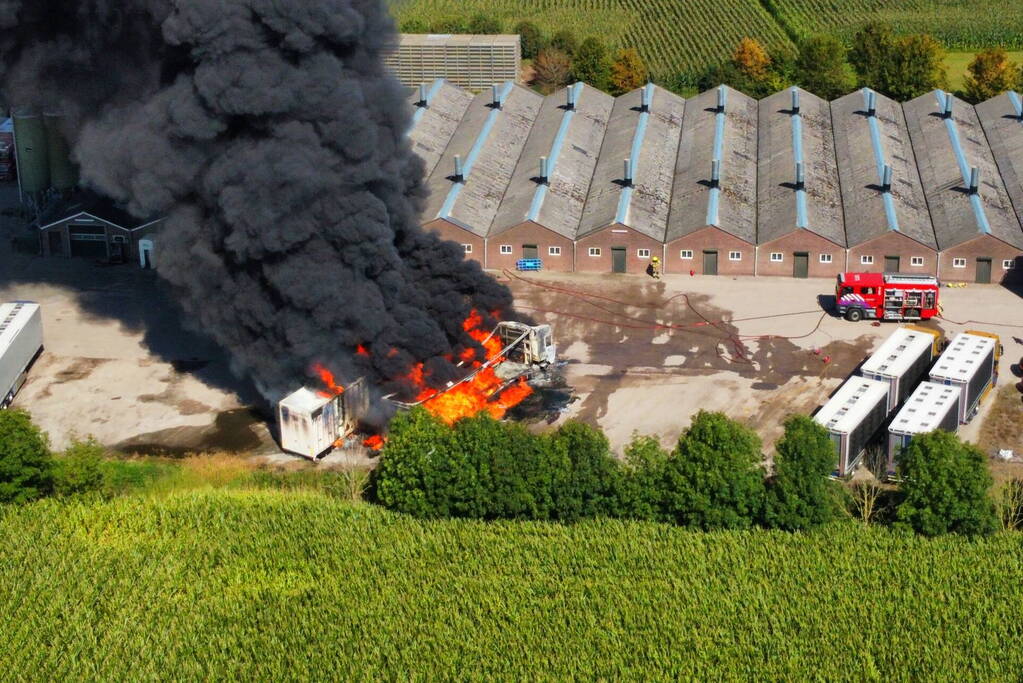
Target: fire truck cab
column 886, row 296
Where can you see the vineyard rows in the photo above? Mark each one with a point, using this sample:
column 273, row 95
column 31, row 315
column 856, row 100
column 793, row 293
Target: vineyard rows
column 246, row 585
column 687, row 36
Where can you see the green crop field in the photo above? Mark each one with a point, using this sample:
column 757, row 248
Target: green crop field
column 686, row 36
column 249, row 585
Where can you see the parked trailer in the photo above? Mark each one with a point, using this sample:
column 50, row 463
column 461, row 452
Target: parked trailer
column 970, row 363
column 852, row 417
column 311, row 422
column 21, row 341
column 901, row 361
column 932, row 406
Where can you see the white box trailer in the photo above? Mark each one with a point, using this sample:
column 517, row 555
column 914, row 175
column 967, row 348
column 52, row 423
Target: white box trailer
column 21, row 340
column 968, row 363
column 901, row 361
column 311, row 422
column 852, row 416
column 932, row 406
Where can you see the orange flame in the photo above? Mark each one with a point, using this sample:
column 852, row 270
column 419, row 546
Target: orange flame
column 361, row 350
column 327, row 377
column 375, row 442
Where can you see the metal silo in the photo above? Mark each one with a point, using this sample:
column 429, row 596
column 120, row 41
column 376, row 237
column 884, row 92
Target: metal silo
column 63, row 174
column 32, row 153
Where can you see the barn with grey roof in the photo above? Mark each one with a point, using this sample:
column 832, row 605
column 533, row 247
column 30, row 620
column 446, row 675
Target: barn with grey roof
column 887, row 224
column 712, row 223
column 800, row 226
column 626, row 213
column 438, row 109
column 1002, row 119
column 974, row 224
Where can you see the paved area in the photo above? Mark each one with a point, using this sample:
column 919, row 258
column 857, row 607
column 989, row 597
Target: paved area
column 638, row 355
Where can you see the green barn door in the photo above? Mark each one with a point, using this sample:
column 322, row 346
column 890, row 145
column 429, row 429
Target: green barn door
column 617, row 259
column 984, row 270
column 801, row 264
column 710, row 262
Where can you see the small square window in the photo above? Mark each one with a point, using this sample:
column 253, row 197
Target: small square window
column 777, row 257
column 554, row 251
column 866, row 260
column 594, row 251
column 467, row 248
column 916, row 261
column 825, row 258
column 1007, row 264
column 735, row 256
column 958, row 263
column 506, row 249
column 686, row 254
column 643, row 253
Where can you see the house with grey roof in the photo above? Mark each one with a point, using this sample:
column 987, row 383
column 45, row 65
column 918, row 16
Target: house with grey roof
column 626, row 212
column 468, row 185
column 800, row 226
column 1002, row 120
column 543, row 205
column 975, row 226
column 438, row 108
column 712, row 220
column 887, row 224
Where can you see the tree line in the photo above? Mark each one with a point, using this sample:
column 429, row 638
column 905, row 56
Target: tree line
column 714, row 478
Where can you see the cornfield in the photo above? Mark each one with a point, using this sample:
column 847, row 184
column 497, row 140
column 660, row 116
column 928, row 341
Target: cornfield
column 685, row 37
column 272, row 585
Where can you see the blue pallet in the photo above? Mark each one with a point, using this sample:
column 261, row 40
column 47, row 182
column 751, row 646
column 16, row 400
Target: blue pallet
column 529, row 264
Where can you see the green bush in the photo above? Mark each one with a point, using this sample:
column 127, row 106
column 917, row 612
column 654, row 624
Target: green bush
column 25, row 461
column 565, row 41
column 641, row 490
column 531, row 40
column 484, row 24
column 799, row 494
column 79, row 468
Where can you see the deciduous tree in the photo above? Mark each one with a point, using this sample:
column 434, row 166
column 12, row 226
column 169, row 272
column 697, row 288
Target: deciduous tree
column 799, row 494
column 25, row 461
column 752, row 60
column 990, row 73
column 565, row 41
column 628, row 72
column 821, row 67
column 484, row 24
column 591, row 64
column 531, row 39
column 551, row 70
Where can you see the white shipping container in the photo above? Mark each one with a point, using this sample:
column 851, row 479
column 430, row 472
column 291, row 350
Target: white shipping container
column 932, row 406
column 21, row 340
column 968, row 363
column 901, row 360
column 311, row 422
column 852, row 417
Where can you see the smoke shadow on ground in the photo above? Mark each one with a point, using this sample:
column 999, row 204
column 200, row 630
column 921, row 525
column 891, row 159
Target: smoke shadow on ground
column 140, row 302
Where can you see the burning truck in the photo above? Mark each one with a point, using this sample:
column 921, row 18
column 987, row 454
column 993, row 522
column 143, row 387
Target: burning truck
column 314, row 421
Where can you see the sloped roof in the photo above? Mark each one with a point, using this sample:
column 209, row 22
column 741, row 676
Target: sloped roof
column 784, row 137
column 650, row 140
column 863, row 145
column 433, row 125
column 1002, row 119
column 731, row 136
column 945, row 151
column 571, row 140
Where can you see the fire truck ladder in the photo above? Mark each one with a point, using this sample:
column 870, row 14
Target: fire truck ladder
column 468, row 378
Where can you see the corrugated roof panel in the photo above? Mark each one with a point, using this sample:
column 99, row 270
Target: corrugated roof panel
column 853, row 401
column 433, row 126
column 925, row 409
column 1002, row 120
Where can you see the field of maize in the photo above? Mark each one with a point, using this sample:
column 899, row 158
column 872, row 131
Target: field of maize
column 264, row 585
column 686, row 37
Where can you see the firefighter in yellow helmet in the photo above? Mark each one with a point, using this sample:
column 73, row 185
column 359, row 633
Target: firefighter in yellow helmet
column 655, row 268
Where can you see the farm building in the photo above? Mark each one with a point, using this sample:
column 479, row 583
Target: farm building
column 626, row 213
column 852, row 416
column 932, row 406
column 887, row 223
column 96, row 230
column 1002, row 119
column 466, row 187
column 439, row 108
column 543, row 204
column 469, row 61
column 712, row 222
column 974, row 223
column 800, row 226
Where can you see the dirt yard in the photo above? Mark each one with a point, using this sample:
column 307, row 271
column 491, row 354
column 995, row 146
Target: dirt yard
column 639, row 356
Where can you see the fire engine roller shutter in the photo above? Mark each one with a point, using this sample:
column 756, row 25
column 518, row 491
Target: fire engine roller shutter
column 801, row 264
column 617, row 259
column 984, row 271
column 710, row 262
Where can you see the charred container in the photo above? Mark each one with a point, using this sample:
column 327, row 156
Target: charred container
column 312, row 422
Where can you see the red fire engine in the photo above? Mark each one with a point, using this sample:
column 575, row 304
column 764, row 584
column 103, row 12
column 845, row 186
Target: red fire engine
column 886, row 296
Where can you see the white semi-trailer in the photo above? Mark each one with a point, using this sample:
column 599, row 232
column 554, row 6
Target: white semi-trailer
column 21, row 340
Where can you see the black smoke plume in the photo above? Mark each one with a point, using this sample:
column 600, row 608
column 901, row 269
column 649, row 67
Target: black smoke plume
column 273, row 141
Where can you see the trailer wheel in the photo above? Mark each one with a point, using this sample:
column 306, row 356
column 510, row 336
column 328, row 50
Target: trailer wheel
column 854, row 315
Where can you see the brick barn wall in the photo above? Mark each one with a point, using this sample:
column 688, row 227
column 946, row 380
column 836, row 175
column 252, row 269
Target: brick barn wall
column 449, row 231
column 984, row 246
column 893, row 244
column 605, row 239
column 801, row 240
column 529, row 233
column 708, row 239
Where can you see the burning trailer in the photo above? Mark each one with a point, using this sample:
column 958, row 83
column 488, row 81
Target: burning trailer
column 312, row 421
